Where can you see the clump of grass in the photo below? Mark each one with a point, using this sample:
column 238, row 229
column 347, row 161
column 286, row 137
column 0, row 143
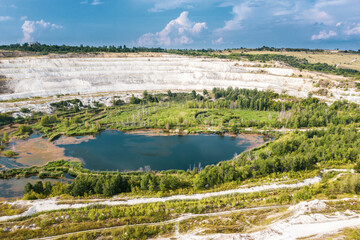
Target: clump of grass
column 9, row 153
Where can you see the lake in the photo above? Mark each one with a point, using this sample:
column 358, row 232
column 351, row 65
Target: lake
column 114, row 150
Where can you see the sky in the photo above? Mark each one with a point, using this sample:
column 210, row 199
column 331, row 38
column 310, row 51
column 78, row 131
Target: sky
column 326, row 24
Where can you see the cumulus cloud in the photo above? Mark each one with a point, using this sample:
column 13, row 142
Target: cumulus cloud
column 353, row 30
column 324, row 35
column 5, row 18
column 177, row 32
column 317, row 15
column 239, row 12
column 94, row 2
column 29, row 27
column 220, row 40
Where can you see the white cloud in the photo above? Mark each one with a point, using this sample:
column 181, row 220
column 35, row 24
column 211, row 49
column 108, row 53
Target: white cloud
column 218, row 41
column 324, row 35
column 328, row 12
column 177, row 32
column 316, row 15
column 23, row 18
column 94, row 2
column 240, row 13
column 29, row 27
column 354, row 30
column 5, row 18
column 327, row 3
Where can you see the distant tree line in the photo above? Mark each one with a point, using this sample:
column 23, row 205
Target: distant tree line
column 45, row 49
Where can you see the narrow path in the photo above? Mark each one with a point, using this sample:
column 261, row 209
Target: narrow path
column 176, row 220
column 51, row 204
column 302, row 223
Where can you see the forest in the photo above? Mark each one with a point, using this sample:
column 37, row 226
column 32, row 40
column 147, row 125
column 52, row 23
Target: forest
column 323, row 136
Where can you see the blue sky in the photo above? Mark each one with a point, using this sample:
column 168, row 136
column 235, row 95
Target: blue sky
column 183, row 23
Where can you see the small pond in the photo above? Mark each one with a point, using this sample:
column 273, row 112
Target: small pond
column 14, row 188
column 114, row 150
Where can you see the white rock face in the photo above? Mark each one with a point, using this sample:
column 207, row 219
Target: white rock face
column 43, row 76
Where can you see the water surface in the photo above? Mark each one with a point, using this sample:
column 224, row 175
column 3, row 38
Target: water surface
column 114, row 150
column 14, row 187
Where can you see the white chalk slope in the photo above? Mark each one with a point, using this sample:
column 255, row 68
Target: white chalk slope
column 43, row 76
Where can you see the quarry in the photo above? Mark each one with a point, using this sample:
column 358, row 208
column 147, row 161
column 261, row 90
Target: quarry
column 208, row 146
column 100, row 78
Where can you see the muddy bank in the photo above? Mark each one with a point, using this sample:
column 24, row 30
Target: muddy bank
column 35, row 151
column 252, row 138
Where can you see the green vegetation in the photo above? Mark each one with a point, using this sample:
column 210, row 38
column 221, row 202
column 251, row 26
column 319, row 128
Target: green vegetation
column 46, row 49
column 122, row 217
column 318, row 136
column 9, row 210
column 9, row 153
column 333, row 144
column 55, row 169
column 230, row 110
column 301, row 64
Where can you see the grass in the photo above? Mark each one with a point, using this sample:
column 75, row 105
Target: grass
column 343, row 60
column 9, row 153
column 178, row 116
column 166, row 116
column 10, row 210
column 98, row 216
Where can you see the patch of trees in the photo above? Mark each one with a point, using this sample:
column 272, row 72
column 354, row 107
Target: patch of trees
column 169, row 96
column 73, row 105
column 5, row 119
column 293, row 152
column 94, row 184
column 24, row 130
column 109, row 185
column 39, row 187
column 250, row 99
column 45, row 49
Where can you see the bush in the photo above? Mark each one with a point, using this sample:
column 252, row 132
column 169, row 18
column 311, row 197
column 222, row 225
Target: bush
column 25, row 110
column 10, row 153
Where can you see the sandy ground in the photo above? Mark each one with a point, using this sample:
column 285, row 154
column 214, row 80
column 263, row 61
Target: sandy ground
column 302, row 223
column 39, row 151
